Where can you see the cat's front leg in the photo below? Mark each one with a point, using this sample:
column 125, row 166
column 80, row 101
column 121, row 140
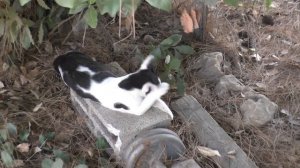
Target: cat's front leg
column 150, row 99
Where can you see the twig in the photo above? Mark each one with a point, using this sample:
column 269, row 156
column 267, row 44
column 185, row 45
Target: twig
column 133, row 19
column 123, row 38
column 61, row 23
column 120, row 18
column 83, row 38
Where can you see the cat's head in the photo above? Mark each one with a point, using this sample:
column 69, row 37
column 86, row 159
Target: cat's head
column 144, row 79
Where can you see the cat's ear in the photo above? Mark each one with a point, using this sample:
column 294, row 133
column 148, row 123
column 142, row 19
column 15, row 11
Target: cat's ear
column 146, row 63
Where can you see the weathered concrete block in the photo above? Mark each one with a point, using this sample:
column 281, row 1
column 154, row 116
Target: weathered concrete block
column 119, row 129
column 190, row 163
column 210, row 134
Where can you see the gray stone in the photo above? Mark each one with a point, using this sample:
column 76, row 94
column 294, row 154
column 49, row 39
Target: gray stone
column 190, row 163
column 257, row 110
column 119, row 129
column 228, row 85
column 208, row 67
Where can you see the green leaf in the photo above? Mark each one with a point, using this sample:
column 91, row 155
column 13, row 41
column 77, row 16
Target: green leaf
column 11, row 128
column 61, row 154
column 43, row 4
column 165, row 5
column 185, row 49
column 231, row 2
column 180, row 86
column 2, row 27
column 157, row 53
column 41, row 33
column 24, row 135
column 171, row 41
column 175, row 63
column 91, row 17
column 81, row 166
column 47, row 163
column 26, row 38
column 78, row 8
column 268, row 3
column 48, row 136
column 108, row 6
column 92, row 2
column 42, row 139
column 3, row 134
column 101, row 143
column 58, row 163
column 23, row 2
column 129, row 5
column 9, row 147
column 67, row 3
column 6, row 159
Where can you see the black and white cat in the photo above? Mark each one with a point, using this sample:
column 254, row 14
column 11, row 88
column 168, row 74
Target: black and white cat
column 134, row 93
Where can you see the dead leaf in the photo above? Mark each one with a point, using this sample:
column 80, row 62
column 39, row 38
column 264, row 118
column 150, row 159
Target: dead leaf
column 23, row 147
column 286, row 112
column 208, row 152
column 37, row 150
column 261, row 85
column 18, row 163
column 5, row 67
column 23, row 80
column 1, row 85
column 23, row 70
column 37, row 107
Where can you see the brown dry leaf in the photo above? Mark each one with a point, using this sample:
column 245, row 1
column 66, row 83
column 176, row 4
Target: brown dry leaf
column 23, row 147
column 33, row 73
column 208, row 151
column 186, row 22
column 23, row 70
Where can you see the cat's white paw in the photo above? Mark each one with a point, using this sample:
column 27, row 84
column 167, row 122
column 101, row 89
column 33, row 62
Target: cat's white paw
column 164, row 87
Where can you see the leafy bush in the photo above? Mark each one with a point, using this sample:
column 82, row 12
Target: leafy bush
column 171, row 54
column 20, row 27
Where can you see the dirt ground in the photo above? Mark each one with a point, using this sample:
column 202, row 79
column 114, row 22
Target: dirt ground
column 35, row 99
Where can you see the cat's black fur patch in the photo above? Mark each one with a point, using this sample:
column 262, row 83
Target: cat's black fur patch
column 100, row 76
column 120, row 105
column 71, row 60
column 138, row 79
column 69, row 63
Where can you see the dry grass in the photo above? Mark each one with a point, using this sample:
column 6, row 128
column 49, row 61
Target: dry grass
column 277, row 143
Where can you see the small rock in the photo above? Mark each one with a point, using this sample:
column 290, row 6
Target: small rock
column 208, row 67
column 228, row 84
column 257, row 110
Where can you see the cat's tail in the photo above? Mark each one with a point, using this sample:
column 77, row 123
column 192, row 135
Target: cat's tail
column 147, row 62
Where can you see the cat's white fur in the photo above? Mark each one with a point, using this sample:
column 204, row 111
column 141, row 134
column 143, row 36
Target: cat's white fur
column 138, row 101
